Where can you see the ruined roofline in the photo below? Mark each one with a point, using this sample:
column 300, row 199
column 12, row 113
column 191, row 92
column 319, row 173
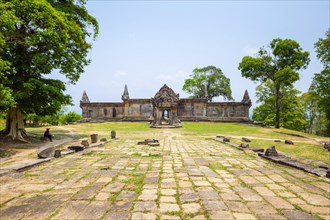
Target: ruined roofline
column 103, row 103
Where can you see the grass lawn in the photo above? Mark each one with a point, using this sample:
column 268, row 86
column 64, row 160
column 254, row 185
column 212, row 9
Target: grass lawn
column 305, row 147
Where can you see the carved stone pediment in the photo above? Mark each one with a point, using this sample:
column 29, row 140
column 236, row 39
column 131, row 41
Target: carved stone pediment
column 165, row 98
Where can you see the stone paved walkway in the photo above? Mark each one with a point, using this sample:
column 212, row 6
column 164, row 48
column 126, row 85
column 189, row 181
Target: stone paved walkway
column 185, row 178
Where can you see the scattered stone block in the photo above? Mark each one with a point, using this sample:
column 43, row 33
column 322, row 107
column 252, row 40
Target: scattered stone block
column 46, row 152
column 76, row 148
column 220, row 136
column 113, row 134
column 226, row 139
column 326, row 146
column 271, row 152
column 258, row 150
column 244, row 139
column 151, row 140
column 57, row 154
column 277, row 141
column 288, row 142
column 242, row 145
column 154, row 144
column 85, row 143
column 103, row 139
column 328, row 174
column 94, row 138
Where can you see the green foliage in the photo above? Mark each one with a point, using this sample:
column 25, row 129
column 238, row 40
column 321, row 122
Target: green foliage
column 320, row 83
column 322, row 47
column 210, row 79
column 36, row 38
column 280, row 66
column 315, row 117
column 292, row 114
column 69, row 118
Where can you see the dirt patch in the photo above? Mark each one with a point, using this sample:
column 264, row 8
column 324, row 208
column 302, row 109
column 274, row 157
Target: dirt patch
column 13, row 151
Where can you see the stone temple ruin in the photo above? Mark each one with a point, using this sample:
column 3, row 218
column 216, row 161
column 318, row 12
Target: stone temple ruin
column 165, row 109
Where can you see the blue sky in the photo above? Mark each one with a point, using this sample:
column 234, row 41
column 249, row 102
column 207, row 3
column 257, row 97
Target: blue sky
column 146, row 44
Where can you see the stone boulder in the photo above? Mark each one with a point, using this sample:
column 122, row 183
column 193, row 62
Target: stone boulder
column 57, row 153
column 103, row 139
column 226, row 139
column 85, row 143
column 277, row 141
column 113, row 134
column 326, row 146
column 288, row 142
column 151, row 140
column 76, row 148
column 244, row 139
column 242, row 145
column 328, row 174
column 46, row 152
column 94, row 138
column 271, row 152
column 153, row 144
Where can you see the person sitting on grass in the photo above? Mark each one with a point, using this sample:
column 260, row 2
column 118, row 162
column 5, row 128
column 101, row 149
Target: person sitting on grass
column 47, row 134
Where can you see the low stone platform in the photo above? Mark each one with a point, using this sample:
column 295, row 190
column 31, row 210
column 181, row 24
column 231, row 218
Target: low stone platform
column 27, row 164
column 165, row 126
column 281, row 159
column 187, row 177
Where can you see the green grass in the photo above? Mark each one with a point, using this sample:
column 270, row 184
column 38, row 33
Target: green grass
column 304, row 148
column 299, row 149
column 109, row 126
column 222, row 128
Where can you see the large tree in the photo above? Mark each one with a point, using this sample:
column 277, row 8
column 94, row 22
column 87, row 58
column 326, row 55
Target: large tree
column 208, row 82
column 314, row 115
column 320, row 83
column 38, row 37
column 292, row 114
column 280, row 64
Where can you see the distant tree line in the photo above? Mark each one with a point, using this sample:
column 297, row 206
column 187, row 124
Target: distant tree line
column 61, row 118
column 276, row 68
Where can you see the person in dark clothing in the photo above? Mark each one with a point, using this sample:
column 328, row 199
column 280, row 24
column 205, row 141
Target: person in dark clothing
column 47, row 134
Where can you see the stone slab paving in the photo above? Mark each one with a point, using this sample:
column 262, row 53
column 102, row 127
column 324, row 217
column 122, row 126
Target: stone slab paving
column 186, row 177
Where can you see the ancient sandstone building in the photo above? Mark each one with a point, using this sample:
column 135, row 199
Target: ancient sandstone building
column 165, row 108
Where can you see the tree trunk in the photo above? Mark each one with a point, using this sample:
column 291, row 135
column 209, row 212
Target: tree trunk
column 277, row 105
column 15, row 125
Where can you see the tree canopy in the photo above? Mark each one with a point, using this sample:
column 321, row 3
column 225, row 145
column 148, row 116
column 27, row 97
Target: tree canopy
column 292, row 114
column 38, row 37
column 320, row 83
column 208, row 82
column 280, row 65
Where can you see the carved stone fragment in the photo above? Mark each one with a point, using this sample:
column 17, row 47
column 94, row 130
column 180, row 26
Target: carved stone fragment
column 271, row 152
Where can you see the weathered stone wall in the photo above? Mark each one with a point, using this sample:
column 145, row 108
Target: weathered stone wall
column 227, row 111
column 188, row 110
column 192, row 107
column 139, row 107
column 102, row 111
column 184, row 109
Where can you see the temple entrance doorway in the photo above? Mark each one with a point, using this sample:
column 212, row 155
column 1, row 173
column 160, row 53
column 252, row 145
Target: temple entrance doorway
column 165, row 107
column 166, row 117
